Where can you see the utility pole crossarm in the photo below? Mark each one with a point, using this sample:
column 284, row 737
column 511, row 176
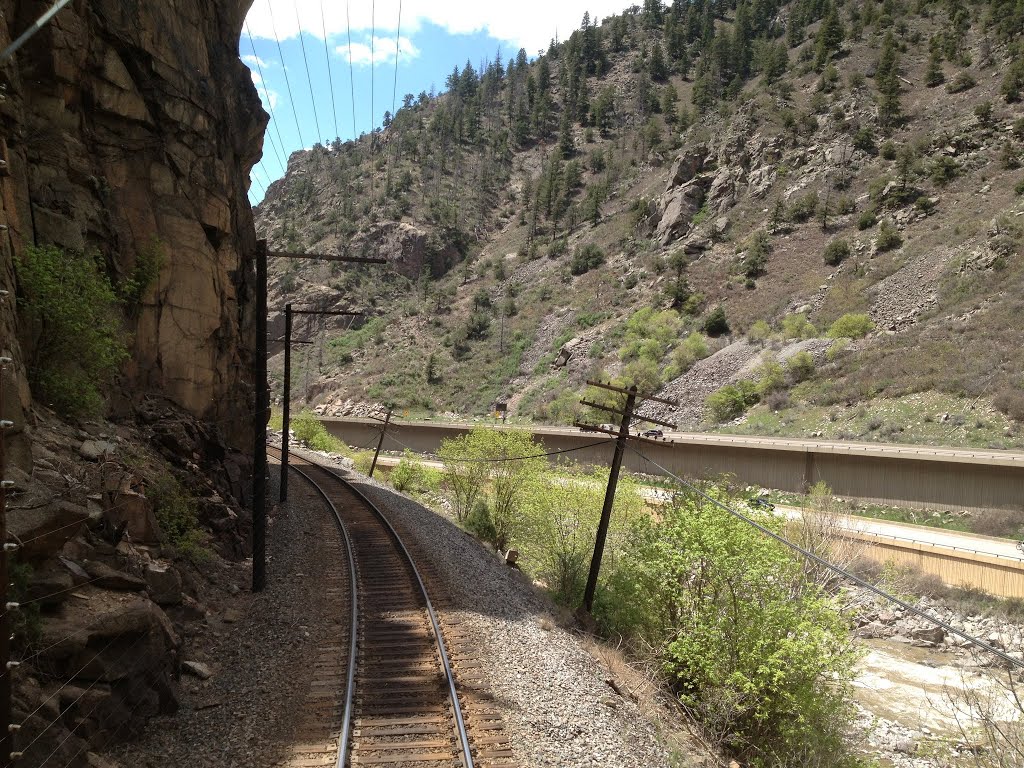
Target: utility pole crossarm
column 592, row 428
column 328, row 312
column 621, row 390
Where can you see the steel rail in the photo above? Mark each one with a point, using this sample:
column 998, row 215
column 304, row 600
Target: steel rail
column 346, row 727
column 435, row 624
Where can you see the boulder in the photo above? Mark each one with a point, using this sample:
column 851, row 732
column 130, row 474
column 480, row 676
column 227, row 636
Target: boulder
column 105, row 577
column 96, row 450
column 930, row 634
column 164, row 584
column 43, row 531
column 197, row 669
column 49, row 587
column 677, row 211
column 135, row 510
column 687, row 165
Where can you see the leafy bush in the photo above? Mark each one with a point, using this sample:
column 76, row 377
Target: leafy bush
column 716, row 323
column 944, row 170
column 800, row 366
column 479, row 523
column 1011, row 402
column 307, row 428
column 76, row 341
column 732, row 400
column 962, row 82
column 176, row 512
column 797, row 326
column 836, row 251
column 759, row 331
column 586, row 258
column 1019, row 189
column 755, row 651
column 864, row 140
column 888, row 237
column 851, row 326
column 410, row 474
column 759, row 246
column 693, row 348
column 803, row 208
column 867, row 219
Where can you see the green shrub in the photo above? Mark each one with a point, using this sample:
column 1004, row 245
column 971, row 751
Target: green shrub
column 888, row 237
column 759, row 331
column 864, row 140
column 716, row 323
column 76, row 339
column 1019, row 189
column 479, row 523
column 889, row 150
column 409, row 475
column 944, row 170
column 962, row 82
column 836, row 251
column 851, row 326
column 800, row 366
column 803, row 208
column 770, row 376
column 867, row 219
column 308, row 429
column 797, row 326
column 924, row 204
column 586, row 258
column 732, row 400
column 176, row 512
column 757, row 652
column 759, row 246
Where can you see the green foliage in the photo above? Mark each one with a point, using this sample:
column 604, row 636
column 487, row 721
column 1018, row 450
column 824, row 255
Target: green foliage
column 1013, row 81
column 732, row 400
column 149, row 260
column 867, row 219
column 797, row 326
column 479, row 523
column 803, row 208
column 25, row 623
column 716, row 323
column 757, row 653
column 650, row 334
column 944, row 170
column 800, row 366
column 760, row 330
column 851, row 326
column 1019, row 188
column 560, row 523
column 837, row 251
column 962, row 82
column 410, row 474
column 888, row 237
column 693, row 348
column 864, row 140
column 759, row 246
column 308, row 429
column 176, row 512
column 76, row 339
column 586, row 258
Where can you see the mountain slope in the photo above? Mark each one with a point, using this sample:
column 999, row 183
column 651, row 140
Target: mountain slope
column 587, row 213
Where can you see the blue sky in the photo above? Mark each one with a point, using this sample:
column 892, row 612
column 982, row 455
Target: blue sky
column 433, row 37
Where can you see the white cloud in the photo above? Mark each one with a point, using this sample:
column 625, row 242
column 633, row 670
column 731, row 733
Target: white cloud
column 529, row 24
column 255, row 61
column 383, row 50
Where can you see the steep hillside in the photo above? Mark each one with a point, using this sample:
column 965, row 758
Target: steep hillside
column 809, row 213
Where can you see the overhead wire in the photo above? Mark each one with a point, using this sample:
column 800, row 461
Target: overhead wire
column 351, row 72
column 373, row 35
column 270, row 104
column 835, row 568
column 309, row 78
column 330, row 78
column 287, row 79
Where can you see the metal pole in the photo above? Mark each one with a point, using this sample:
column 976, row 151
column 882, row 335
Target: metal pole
column 11, row 49
column 383, row 431
column 609, row 501
column 286, row 416
column 259, row 424
column 6, row 736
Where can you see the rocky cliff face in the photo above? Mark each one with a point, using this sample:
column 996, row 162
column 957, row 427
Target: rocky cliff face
column 130, row 127
column 127, row 129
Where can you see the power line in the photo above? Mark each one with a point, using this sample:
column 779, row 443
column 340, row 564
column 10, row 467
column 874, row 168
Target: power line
column 836, row 568
column 373, row 35
column 509, row 458
column 398, row 48
column 312, row 98
column 270, row 103
column 351, row 74
column 330, row 79
column 287, row 80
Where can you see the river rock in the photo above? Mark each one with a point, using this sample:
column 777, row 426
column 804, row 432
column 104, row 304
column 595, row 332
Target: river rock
column 932, row 635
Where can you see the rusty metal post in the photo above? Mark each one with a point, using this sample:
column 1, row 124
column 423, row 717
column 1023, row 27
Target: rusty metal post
column 609, row 501
column 286, row 407
column 383, row 431
column 259, row 461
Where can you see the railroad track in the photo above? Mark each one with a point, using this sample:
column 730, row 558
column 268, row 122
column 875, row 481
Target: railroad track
column 391, row 697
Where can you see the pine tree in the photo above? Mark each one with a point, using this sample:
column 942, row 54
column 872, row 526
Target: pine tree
column 830, row 37
column 933, row 76
column 890, row 111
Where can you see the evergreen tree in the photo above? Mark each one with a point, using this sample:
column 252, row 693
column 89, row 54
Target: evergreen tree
column 933, row 75
column 890, row 111
column 830, row 37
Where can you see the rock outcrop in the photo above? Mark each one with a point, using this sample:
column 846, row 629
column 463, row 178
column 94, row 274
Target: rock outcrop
column 132, row 128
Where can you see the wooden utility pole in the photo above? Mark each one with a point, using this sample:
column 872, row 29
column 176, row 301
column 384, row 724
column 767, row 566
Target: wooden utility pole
column 259, row 427
column 380, row 442
column 622, row 435
column 6, row 732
